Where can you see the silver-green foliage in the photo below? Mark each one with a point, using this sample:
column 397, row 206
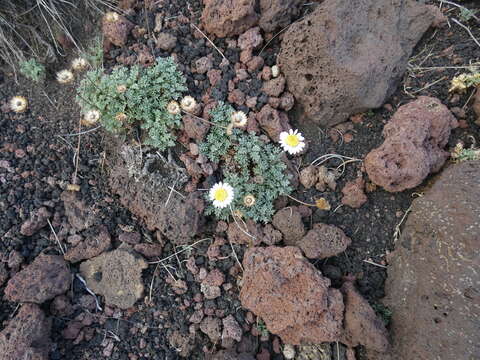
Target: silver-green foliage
column 144, row 99
column 250, row 166
column 32, row 70
column 217, row 142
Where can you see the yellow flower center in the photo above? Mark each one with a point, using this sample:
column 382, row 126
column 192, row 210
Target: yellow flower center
column 221, row 194
column 292, row 140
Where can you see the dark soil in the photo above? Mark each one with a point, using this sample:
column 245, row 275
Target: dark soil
column 38, row 151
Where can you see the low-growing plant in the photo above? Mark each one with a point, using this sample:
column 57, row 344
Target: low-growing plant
column 462, row 82
column 217, row 142
column 253, row 168
column 32, row 70
column 135, row 95
column 460, row 154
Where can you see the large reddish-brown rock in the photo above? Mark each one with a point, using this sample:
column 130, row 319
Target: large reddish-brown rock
column 46, row 277
column 413, row 146
column 324, row 241
column 225, row 18
column 336, row 68
column 26, row 336
column 291, row 296
column 433, row 284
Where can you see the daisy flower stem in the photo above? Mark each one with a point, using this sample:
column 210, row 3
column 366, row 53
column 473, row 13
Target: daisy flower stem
column 300, row 202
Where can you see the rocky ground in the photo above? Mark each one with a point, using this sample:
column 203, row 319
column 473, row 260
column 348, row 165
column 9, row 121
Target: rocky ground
column 126, row 266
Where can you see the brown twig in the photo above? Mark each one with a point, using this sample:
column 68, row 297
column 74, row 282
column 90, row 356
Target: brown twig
column 210, row 41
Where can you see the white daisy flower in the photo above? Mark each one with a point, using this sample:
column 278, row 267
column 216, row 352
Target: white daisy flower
column 79, row 64
column 221, row 194
column 173, row 108
column 65, row 76
column 18, row 104
column 239, row 119
column 188, row 104
column 91, row 117
column 292, row 141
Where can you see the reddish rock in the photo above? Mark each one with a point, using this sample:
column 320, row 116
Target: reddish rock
column 251, row 235
column 15, row 259
column 193, row 169
column 274, row 87
column 277, row 14
column 46, row 277
column 26, row 336
column 251, row 102
column 72, row 330
column 272, row 122
column 211, row 326
column 271, row 236
column 225, row 18
column 245, row 56
column 116, row 31
column 38, row 220
column 413, row 146
column 332, row 80
column 203, row 65
column 287, row 101
column 195, row 128
column 250, row 39
column 214, row 76
column 231, row 329
column 61, row 306
column 131, row 238
column 324, row 241
column 309, row 176
column 432, row 284
column 289, row 222
column 236, row 97
column 210, row 291
column 79, row 215
column 166, row 41
column 353, row 193
column 291, row 296
column 255, row 63
column 362, row 326
column 184, row 343
column 90, row 247
column 214, row 278
column 149, row 250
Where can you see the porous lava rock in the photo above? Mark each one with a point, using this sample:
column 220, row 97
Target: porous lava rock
column 91, row 246
column 46, row 277
column 336, row 68
column 116, row 31
column 26, row 336
column 413, row 146
column 275, row 14
column 291, row 296
column 362, row 326
column 117, row 275
column 324, row 241
column 433, row 279
column 143, row 184
column 36, row 221
column 289, row 222
column 272, row 121
column 79, row 215
column 225, row 18
column 354, row 194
